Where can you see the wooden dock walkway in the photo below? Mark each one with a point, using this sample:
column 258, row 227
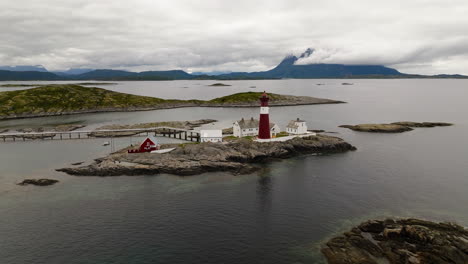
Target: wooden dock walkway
column 183, row 134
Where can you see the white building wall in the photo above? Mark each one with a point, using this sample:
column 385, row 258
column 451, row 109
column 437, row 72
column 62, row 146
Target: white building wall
column 301, row 127
column 274, row 130
column 236, row 130
column 211, row 139
column 249, row 132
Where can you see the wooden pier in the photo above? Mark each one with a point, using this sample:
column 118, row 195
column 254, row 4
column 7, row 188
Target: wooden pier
column 177, row 133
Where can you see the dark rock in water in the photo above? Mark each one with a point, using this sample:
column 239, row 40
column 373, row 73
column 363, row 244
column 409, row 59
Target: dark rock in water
column 380, row 128
column 38, row 182
column 219, row 84
column 399, row 241
column 347, row 83
column 317, row 130
column 239, row 156
column 396, row 127
column 77, row 163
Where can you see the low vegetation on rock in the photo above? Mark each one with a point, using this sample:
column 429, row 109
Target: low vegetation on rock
column 73, row 99
column 391, row 241
column 383, row 128
column 396, row 127
column 188, row 125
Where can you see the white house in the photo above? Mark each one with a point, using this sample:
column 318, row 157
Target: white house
column 296, row 127
column 211, row 135
column 249, row 127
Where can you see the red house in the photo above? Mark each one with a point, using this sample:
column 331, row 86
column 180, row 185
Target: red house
column 148, row 145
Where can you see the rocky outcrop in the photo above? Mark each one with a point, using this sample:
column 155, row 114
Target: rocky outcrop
column 408, row 241
column 396, row 127
column 58, row 128
column 187, row 125
column 380, row 128
column 422, row 124
column 240, row 156
column 38, row 182
column 219, row 84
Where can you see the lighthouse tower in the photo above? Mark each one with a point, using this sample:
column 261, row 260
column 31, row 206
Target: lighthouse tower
column 264, row 124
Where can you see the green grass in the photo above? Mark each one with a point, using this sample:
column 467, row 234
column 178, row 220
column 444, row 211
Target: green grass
column 66, row 98
column 282, row 134
column 244, row 97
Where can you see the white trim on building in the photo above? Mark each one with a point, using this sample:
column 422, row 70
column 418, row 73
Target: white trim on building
column 296, row 127
column 211, row 135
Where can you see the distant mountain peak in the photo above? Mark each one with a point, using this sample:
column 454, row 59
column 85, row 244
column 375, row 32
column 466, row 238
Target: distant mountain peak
column 291, row 59
column 306, row 53
column 23, row 68
column 288, row 60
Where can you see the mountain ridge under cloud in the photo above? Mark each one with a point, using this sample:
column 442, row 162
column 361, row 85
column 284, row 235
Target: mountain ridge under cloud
column 287, row 68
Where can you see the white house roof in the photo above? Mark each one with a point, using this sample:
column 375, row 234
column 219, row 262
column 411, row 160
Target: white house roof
column 211, row 133
column 251, row 123
column 294, row 123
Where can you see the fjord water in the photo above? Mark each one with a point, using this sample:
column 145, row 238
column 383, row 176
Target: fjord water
column 280, row 215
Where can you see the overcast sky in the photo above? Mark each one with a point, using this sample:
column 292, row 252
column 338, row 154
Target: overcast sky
column 414, row 36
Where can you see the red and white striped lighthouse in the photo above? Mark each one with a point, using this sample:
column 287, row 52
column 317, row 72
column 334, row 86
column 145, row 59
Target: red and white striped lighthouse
column 264, row 124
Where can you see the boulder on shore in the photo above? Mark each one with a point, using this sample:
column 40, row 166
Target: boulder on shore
column 398, row 241
column 38, row 182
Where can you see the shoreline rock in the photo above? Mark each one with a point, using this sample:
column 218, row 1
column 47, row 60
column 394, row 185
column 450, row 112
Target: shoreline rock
column 188, row 125
column 38, row 182
column 399, row 241
column 396, row 127
column 58, row 128
column 241, row 156
column 422, row 124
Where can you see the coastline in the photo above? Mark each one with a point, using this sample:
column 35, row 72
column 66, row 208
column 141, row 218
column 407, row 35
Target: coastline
column 241, row 156
column 162, row 107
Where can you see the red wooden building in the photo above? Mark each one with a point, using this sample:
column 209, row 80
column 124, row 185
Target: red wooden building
column 148, row 145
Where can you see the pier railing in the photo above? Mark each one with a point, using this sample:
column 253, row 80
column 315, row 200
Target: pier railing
column 178, row 133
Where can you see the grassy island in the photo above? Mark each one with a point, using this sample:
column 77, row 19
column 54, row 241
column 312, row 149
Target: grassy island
column 67, row 99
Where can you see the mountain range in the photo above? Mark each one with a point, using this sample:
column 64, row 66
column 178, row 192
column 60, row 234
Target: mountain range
column 287, row 68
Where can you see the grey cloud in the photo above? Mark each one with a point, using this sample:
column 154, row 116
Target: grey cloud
column 422, row 36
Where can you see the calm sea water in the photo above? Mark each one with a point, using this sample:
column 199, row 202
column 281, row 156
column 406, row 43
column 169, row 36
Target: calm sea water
column 280, row 215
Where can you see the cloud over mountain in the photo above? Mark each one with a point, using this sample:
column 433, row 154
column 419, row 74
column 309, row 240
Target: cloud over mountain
column 420, row 36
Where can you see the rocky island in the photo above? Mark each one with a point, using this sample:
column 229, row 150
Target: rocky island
column 238, row 156
column 38, row 182
column 396, row 127
column 67, row 99
column 188, row 125
column 395, row 241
